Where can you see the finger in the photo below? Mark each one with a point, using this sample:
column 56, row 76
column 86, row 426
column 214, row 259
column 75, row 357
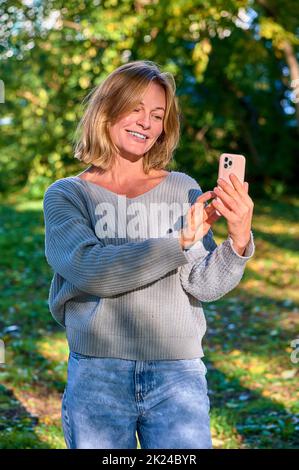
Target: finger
column 190, row 226
column 223, row 210
column 205, row 196
column 229, row 202
column 186, row 229
column 208, row 210
column 239, row 187
column 232, row 188
column 236, row 190
column 236, row 182
column 219, row 194
column 213, row 217
column 198, row 217
column 246, row 185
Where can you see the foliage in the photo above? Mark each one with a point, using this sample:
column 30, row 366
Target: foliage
column 227, row 57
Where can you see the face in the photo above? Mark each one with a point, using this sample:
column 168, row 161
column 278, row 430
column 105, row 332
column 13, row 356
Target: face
column 146, row 119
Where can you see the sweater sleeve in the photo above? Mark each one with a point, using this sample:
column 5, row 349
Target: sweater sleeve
column 73, row 250
column 210, row 275
column 213, row 271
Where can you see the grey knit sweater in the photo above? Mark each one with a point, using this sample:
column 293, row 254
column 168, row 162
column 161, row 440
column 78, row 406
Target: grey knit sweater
column 122, row 285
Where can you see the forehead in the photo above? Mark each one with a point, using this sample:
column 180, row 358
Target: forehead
column 154, row 95
column 156, row 107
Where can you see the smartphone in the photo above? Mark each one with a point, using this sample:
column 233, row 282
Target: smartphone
column 231, row 163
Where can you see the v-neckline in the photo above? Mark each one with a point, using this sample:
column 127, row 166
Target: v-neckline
column 123, row 195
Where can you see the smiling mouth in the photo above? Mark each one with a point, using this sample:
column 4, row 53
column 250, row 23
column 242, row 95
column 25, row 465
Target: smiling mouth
column 139, row 135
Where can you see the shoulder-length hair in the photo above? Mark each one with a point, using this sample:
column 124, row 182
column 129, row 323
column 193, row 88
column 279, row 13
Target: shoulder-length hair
column 117, row 95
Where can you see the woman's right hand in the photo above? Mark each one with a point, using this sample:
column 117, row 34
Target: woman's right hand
column 199, row 220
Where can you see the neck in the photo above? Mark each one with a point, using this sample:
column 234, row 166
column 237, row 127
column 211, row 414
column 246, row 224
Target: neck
column 122, row 172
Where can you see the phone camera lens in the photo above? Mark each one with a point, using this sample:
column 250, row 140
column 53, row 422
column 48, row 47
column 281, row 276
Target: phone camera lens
column 225, row 165
column 230, row 163
column 226, row 158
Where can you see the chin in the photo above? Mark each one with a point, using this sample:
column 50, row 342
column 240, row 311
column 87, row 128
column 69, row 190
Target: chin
column 132, row 153
column 136, row 150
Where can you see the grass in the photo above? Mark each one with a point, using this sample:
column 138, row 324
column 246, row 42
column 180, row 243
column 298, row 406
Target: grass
column 253, row 384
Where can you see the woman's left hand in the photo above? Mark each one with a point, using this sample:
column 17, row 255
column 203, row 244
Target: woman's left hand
column 236, row 206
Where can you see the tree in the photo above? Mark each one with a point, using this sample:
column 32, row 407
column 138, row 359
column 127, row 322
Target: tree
column 233, row 61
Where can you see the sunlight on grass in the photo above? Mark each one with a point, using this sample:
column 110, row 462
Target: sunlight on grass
column 54, row 347
column 51, row 435
column 253, row 386
column 274, row 377
column 224, row 434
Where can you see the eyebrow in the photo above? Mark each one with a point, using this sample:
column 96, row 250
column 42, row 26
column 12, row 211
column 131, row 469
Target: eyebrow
column 158, row 107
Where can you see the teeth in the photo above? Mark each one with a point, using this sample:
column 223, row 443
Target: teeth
column 137, row 135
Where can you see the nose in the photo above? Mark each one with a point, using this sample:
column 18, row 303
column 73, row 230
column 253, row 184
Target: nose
column 144, row 120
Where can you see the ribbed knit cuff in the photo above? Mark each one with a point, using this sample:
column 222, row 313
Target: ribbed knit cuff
column 231, row 258
column 196, row 252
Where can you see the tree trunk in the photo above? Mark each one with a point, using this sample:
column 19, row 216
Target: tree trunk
column 294, row 74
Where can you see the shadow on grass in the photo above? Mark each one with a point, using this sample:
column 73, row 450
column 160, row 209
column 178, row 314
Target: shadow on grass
column 285, row 209
column 25, row 281
column 259, row 421
column 252, row 328
column 16, row 424
column 283, row 241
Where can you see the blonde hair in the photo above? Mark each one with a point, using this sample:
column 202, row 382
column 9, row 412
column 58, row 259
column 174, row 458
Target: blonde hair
column 117, row 95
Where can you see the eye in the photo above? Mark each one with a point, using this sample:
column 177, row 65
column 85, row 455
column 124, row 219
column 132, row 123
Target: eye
column 157, row 117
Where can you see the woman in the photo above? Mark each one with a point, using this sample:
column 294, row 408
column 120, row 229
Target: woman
column 130, row 275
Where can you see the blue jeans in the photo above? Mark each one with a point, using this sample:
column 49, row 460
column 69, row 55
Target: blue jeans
column 107, row 401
